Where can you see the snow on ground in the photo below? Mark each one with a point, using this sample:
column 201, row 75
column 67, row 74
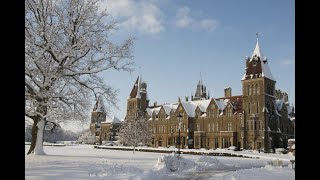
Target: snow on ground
column 264, row 173
column 86, row 162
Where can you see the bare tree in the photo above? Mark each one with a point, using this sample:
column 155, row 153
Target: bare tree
column 67, row 43
column 135, row 131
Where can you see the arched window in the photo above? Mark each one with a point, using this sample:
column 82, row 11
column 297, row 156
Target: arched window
column 257, row 89
column 253, row 90
column 249, row 90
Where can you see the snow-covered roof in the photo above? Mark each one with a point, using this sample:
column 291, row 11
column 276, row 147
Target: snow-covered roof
column 279, row 103
column 99, row 106
column 189, row 108
column 151, row 110
column 167, row 107
column 265, row 68
column 290, row 109
column 113, row 120
column 139, row 87
column 222, row 103
column 264, row 64
column 203, row 104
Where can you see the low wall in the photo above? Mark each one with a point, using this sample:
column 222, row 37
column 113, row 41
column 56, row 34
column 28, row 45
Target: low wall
column 183, row 151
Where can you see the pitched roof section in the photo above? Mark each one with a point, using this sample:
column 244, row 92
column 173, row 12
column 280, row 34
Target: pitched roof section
column 264, row 63
column 99, row 106
column 134, row 90
column 137, row 89
column 168, row 107
column 151, row 110
column 191, row 106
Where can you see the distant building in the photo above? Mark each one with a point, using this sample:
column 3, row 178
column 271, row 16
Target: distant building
column 104, row 129
column 257, row 119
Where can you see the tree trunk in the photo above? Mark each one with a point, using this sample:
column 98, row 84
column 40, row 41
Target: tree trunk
column 34, row 135
column 38, row 150
column 36, row 146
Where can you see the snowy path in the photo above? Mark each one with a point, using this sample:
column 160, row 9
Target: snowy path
column 85, row 162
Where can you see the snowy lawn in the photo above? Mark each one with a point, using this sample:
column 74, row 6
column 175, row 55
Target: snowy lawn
column 86, row 162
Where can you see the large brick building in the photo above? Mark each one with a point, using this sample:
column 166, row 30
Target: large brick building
column 257, row 119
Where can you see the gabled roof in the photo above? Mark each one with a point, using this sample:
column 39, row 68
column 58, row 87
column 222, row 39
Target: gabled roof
column 191, row 106
column 167, row 108
column 222, row 103
column 203, row 104
column 155, row 110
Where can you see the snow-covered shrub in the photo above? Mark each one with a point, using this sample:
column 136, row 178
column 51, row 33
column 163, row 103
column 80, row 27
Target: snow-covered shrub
column 234, row 148
column 205, row 163
column 87, row 138
column 281, row 151
column 173, row 163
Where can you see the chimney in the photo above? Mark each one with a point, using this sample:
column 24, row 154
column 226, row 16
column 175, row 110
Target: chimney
column 187, row 98
column 155, row 104
column 227, row 92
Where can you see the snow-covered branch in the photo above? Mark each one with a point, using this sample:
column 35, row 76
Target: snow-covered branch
column 67, row 46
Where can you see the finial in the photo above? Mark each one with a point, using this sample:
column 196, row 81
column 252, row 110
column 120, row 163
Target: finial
column 139, row 69
column 257, row 34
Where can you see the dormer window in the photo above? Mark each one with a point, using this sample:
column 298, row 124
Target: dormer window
column 254, row 63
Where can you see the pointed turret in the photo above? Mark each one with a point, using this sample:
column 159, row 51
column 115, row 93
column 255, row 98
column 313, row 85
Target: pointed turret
column 138, row 99
column 139, row 87
column 99, row 106
column 257, row 65
column 200, row 92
